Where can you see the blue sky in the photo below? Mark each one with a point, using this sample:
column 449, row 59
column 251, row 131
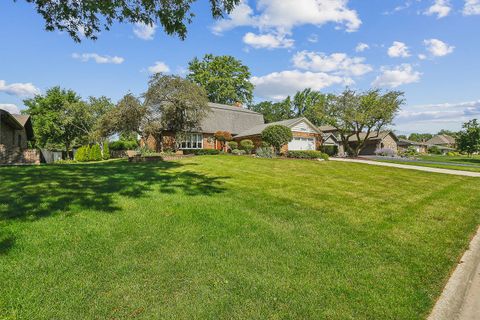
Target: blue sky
column 427, row 48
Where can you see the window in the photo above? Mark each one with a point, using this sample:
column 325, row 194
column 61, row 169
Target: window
column 192, row 141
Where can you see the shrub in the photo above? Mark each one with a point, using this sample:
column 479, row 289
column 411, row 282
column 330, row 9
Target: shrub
column 264, row 144
column 238, row 152
column 233, row 145
column 201, row 152
column 385, row 152
column 434, row 150
column 329, row 150
column 106, row 151
column 453, row 154
column 277, row 136
column 80, row 154
column 87, row 153
column 307, row 154
column 265, row 152
column 247, row 145
column 123, row 145
column 95, row 153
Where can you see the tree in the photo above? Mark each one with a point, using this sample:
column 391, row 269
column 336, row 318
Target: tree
column 174, row 104
column 353, row 114
column 52, row 126
column 273, row 112
column 126, row 118
column 420, row 137
column 225, row 78
column 87, row 18
column 402, row 136
column 469, row 137
column 277, row 136
column 448, row 133
column 223, row 136
column 106, row 151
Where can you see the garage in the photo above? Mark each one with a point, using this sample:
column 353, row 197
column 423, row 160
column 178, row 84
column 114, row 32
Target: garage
column 301, row 144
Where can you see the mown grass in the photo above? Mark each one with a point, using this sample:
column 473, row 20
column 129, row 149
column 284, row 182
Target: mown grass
column 223, row 237
column 471, row 160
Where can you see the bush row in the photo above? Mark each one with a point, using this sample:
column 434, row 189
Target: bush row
column 201, row 152
column 307, row 154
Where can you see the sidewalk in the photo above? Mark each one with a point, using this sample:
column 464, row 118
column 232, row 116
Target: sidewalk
column 471, row 306
column 410, row 167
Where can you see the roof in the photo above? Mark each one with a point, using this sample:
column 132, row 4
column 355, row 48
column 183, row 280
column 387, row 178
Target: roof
column 10, row 120
column 406, row 142
column 327, row 128
column 230, row 118
column 19, row 122
column 373, row 136
column 441, row 139
column 290, row 123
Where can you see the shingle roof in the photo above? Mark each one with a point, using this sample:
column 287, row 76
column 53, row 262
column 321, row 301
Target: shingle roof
column 441, row 139
column 256, row 130
column 327, row 128
column 230, row 118
column 405, row 142
column 21, row 118
column 373, row 136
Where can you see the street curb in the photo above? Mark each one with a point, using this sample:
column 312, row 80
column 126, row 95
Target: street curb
column 450, row 302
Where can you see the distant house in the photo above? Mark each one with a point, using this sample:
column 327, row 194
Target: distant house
column 420, row 147
column 442, row 140
column 242, row 124
column 376, row 141
column 15, row 133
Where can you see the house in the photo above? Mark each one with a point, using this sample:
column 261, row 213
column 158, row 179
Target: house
column 242, row 124
column 15, row 133
column 376, row 141
column 306, row 136
column 420, row 147
column 442, row 140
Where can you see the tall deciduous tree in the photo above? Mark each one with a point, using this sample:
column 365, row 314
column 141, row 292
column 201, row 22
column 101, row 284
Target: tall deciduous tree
column 273, row 111
column 53, row 128
column 175, row 104
column 469, row 137
column 127, row 118
column 352, row 113
column 419, row 137
column 225, row 78
column 86, row 18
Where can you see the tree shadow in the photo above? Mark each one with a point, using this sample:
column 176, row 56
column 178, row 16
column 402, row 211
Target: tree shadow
column 468, row 160
column 28, row 193
column 6, row 244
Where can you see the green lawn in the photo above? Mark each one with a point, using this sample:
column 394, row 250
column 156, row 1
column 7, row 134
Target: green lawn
column 224, row 237
column 463, row 163
column 473, row 160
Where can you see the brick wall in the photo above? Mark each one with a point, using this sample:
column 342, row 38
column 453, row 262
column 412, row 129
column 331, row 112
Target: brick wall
column 15, row 155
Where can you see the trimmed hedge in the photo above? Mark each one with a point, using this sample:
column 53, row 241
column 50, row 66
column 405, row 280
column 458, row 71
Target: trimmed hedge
column 123, row 145
column 307, row 154
column 238, row 152
column 201, row 152
column 247, row 145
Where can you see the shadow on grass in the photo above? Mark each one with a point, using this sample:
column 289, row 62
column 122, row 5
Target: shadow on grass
column 467, row 160
column 34, row 192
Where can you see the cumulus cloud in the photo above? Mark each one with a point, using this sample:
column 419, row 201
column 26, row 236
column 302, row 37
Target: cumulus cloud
column 438, row 48
column 22, row 90
column 336, row 63
column 440, row 8
column 267, row 41
column 144, row 31
column 397, row 76
column 85, row 57
column 398, row 50
column 472, row 7
column 159, row 67
column 361, row 47
column 10, row 107
column 278, row 85
column 283, row 16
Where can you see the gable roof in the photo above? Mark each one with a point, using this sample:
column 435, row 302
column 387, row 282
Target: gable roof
column 373, row 136
column 290, row 123
column 406, row 142
column 327, row 128
column 18, row 122
column 230, row 118
column 441, row 139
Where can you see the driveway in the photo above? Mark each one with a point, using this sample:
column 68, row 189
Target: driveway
column 410, row 167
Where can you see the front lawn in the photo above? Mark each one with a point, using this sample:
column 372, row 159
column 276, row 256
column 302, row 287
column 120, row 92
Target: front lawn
column 224, row 237
column 472, row 160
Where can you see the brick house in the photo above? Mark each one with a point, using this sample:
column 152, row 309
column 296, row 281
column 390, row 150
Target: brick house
column 376, row 141
column 242, row 124
column 15, row 133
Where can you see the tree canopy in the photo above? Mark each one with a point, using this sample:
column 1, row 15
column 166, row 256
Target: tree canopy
column 469, row 137
column 87, row 18
column 352, row 113
column 225, row 78
column 277, row 136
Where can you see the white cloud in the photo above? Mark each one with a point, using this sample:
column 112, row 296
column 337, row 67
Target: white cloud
column 85, row 57
column 23, row 90
column 438, row 48
column 159, row 67
column 398, row 50
column 441, row 8
column 361, row 47
column 144, row 31
column 278, row 85
column 267, row 41
column 313, row 38
column 422, row 56
column 337, row 63
column 397, row 76
column 10, row 107
column 282, row 16
column 472, row 7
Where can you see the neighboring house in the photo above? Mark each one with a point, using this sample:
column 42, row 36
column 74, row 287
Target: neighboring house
column 306, row 136
column 442, row 140
column 242, row 124
column 376, row 141
column 420, row 147
column 15, row 132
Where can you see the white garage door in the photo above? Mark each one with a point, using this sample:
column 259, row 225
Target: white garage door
column 302, row 144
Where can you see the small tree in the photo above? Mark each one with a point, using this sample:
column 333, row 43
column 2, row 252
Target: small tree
column 469, row 138
column 80, row 154
column 95, row 153
column 277, row 136
column 223, row 136
column 247, row 145
column 106, row 151
column 86, row 151
column 233, row 145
